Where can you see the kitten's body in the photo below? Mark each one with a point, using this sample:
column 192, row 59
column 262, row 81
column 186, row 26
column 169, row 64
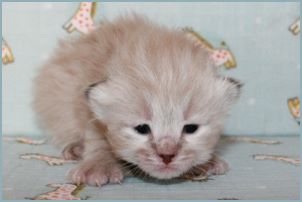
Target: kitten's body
column 141, row 74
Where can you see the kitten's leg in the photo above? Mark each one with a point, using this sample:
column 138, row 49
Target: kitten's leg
column 74, row 151
column 98, row 165
column 217, row 166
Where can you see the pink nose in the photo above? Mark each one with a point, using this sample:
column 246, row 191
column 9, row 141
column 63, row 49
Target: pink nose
column 167, row 158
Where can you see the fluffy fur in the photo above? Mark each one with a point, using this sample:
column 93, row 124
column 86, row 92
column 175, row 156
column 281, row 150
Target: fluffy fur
column 96, row 88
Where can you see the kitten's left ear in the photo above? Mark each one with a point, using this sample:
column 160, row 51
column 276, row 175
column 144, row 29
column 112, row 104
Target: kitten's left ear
column 238, row 84
column 232, row 88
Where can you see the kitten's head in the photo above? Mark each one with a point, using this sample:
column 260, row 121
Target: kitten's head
column 163, row 103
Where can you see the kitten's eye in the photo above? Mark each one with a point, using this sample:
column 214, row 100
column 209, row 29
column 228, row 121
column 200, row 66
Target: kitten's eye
column 190, row 128
column 143, row 129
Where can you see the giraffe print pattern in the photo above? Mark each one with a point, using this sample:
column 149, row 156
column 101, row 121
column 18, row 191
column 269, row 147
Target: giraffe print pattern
column 253, row 140
column 62, row 192
column 286, row 159
column 24, row 140
column 221, row 56
column 82, row 20
column 50, row 160
column 294, row 108
column 7, row 54
column 295, row 27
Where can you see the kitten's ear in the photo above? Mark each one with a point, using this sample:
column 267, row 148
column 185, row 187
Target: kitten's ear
column 97, row 91
column 98, row 96
column 89, row 89
column 232, row 88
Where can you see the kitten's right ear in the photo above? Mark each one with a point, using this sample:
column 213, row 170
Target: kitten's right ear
column 97, row 92
column 99, row 96
column 89, row 88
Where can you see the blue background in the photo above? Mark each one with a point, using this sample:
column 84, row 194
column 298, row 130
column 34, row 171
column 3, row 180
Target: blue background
column 268, row 55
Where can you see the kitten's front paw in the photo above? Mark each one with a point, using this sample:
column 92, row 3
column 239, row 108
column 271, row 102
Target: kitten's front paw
column 215, row 166
column 219, row 168
column 96, row 175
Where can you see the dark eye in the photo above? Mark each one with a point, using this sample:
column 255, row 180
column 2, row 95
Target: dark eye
column 190, row 128
column 143, row 129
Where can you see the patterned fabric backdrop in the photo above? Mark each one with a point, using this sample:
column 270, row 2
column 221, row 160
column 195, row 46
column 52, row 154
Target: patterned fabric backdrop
column 257, row 43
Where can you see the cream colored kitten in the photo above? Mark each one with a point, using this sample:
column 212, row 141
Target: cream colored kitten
column 134, row 91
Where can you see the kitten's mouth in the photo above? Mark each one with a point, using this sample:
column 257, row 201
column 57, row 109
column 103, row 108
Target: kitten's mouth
column 166, row 169
column 163, row 172
column 160, row 172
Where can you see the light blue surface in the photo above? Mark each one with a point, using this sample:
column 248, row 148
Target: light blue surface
column 247, row 179
column 1, row 119
column 268, row 55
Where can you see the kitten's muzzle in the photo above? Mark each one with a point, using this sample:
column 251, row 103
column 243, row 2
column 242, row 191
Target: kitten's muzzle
column 167, row 148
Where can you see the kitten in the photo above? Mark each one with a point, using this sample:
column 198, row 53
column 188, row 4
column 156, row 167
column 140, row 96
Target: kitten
column 134, row 91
